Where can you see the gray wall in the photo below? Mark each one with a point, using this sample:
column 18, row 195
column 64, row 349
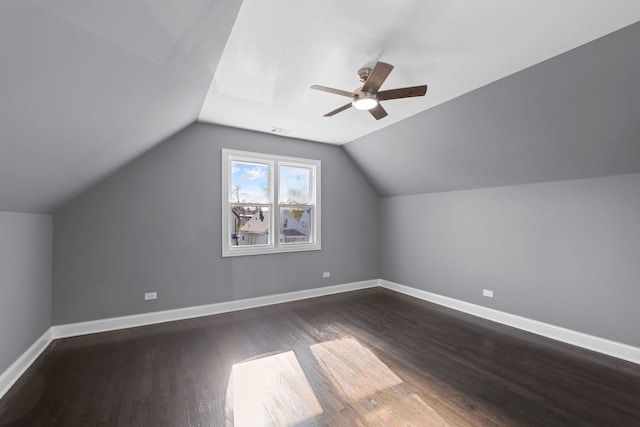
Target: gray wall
column 565, row 253
column 155, row 225
column 25, row 282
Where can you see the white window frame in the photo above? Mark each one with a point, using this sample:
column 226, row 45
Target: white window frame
column 274, row 162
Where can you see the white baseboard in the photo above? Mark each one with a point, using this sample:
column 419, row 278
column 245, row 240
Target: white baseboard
column 13, row 373
column 17, row 368
column 601, row 345
column 114, row 323
column 590, row 342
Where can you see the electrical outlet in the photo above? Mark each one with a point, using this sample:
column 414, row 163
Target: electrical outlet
column 487, row 293
column 326, row 274
column 150, row 295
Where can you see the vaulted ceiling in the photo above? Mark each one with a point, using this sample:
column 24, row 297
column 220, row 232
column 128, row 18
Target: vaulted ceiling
column 86, row 87
column 279, row 48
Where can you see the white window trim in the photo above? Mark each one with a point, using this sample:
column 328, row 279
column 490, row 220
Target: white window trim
column 274, row 162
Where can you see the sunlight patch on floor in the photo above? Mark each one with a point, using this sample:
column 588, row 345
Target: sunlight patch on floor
column 353, row 369
column 272, row 390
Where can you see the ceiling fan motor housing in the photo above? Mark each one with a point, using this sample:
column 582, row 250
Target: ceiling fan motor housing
column 363, row 74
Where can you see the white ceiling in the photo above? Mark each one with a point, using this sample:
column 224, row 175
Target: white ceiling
column 279, row 48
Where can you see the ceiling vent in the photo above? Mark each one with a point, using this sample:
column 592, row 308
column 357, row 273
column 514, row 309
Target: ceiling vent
column 281, row 131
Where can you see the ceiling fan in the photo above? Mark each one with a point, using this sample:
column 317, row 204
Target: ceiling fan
column 368, row 96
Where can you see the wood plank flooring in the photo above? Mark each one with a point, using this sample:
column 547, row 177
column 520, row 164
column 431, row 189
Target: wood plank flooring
column 363, row 358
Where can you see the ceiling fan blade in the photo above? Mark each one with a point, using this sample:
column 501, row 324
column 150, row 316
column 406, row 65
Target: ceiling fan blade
column 377, row 76
column 338, row 110
column 332, row 90
column 405, row 92
column 378, row 112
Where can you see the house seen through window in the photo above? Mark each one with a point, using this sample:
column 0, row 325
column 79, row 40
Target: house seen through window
column 270, row 203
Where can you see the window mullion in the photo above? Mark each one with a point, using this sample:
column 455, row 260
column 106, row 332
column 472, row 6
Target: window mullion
column 275, row 193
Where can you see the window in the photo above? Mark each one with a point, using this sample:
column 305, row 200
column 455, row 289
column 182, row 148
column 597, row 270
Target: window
column 269, row 203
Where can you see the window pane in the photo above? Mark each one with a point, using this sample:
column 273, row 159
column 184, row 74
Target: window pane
column 295, row 225
column 294, row 185
column 249, row 183
column 249, row 225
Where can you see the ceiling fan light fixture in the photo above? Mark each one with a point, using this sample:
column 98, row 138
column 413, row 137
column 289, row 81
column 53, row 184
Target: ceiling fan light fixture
column 366, row 101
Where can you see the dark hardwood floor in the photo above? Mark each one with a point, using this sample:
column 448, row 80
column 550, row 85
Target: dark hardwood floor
column 370, row 357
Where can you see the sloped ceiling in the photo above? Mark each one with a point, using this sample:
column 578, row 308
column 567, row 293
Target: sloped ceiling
column 87, row 86
column 573, row 116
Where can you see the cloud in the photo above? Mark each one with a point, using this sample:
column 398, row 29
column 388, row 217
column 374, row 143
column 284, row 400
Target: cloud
column 254, row 173
column 294, row 193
